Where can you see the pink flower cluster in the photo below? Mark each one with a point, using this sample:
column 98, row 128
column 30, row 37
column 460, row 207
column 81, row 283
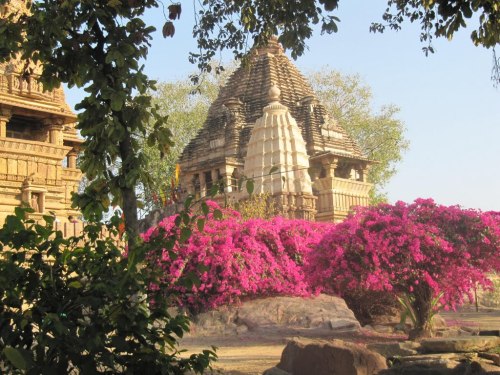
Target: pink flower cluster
column 423, row 249
column 235, row 259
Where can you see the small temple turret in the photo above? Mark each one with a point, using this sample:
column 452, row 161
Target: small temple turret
column 277, row 160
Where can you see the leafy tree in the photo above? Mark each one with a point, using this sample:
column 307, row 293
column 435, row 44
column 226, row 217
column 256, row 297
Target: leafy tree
column 380, row 135
column 423, row 252
column 186, row 107
column 218, row 28
column 77, row 305
column 96, row 45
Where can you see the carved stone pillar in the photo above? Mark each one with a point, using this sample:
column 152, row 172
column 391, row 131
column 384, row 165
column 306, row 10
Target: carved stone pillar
column 188, row 183
column 203, row 185
column 227, row 179
column 353, row 174
column 330, row 168
column 364, row 173
column 5, row 115
column 215, row 176
column 234, row 122
column 55, row 127
column 72, row 155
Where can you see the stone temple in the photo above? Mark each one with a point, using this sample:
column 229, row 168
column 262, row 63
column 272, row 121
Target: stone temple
column 38, row 142
column 268, row 119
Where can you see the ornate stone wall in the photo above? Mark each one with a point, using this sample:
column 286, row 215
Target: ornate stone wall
column 38, row 141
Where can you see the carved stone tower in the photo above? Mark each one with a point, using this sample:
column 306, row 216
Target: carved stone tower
column 276, row 142
column 38, row 141
column 320, row 170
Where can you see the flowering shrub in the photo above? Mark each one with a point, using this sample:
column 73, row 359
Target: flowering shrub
column 231, row 259
column 423, row 250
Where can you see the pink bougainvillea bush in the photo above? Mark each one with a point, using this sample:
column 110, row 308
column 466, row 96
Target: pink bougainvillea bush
column 234, row 259
column 423, row 250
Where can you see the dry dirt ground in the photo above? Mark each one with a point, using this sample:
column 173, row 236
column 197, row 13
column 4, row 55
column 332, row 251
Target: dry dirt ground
column 253, row 352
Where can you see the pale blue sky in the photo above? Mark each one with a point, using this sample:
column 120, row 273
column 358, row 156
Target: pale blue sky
column 447, row 100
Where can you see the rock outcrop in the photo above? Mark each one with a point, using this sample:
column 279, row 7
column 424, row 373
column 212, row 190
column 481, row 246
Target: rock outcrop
column 333, row 357
column 321, row 312
column 440, row 356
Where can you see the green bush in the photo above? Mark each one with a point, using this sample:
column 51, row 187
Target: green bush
column 79, row 304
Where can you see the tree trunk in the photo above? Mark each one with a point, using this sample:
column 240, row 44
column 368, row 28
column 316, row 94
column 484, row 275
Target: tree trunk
column 129, row 197
column 423, row 313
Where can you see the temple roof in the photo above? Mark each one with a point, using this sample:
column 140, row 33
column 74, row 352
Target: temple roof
column 240, row 103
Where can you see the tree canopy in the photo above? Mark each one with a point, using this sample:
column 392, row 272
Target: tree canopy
column 186, row 107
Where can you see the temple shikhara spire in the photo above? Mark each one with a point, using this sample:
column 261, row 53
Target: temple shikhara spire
column 38, row 141
column 267, row 118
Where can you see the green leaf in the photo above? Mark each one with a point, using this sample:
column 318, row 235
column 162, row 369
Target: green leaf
column 16, row 358
column 185, row 234
column 250, row 186
column 185, row 218
column 117, row 100
column 193, row 279
column 20, row 212
column 170, row 244
column 201, row 224
column 204, row 208
column 188, row 201
column 214, row 189
column 75, row 284
column 114, row 3
column 202, row 268
column 178, row 221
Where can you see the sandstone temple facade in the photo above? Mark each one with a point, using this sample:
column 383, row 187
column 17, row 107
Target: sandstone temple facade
column 268, row 119
column 38, row 142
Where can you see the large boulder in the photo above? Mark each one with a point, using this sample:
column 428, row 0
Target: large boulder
column 321, row 312
column 333, row 357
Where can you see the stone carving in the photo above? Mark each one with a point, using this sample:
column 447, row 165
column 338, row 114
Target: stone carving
column 34, row 202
